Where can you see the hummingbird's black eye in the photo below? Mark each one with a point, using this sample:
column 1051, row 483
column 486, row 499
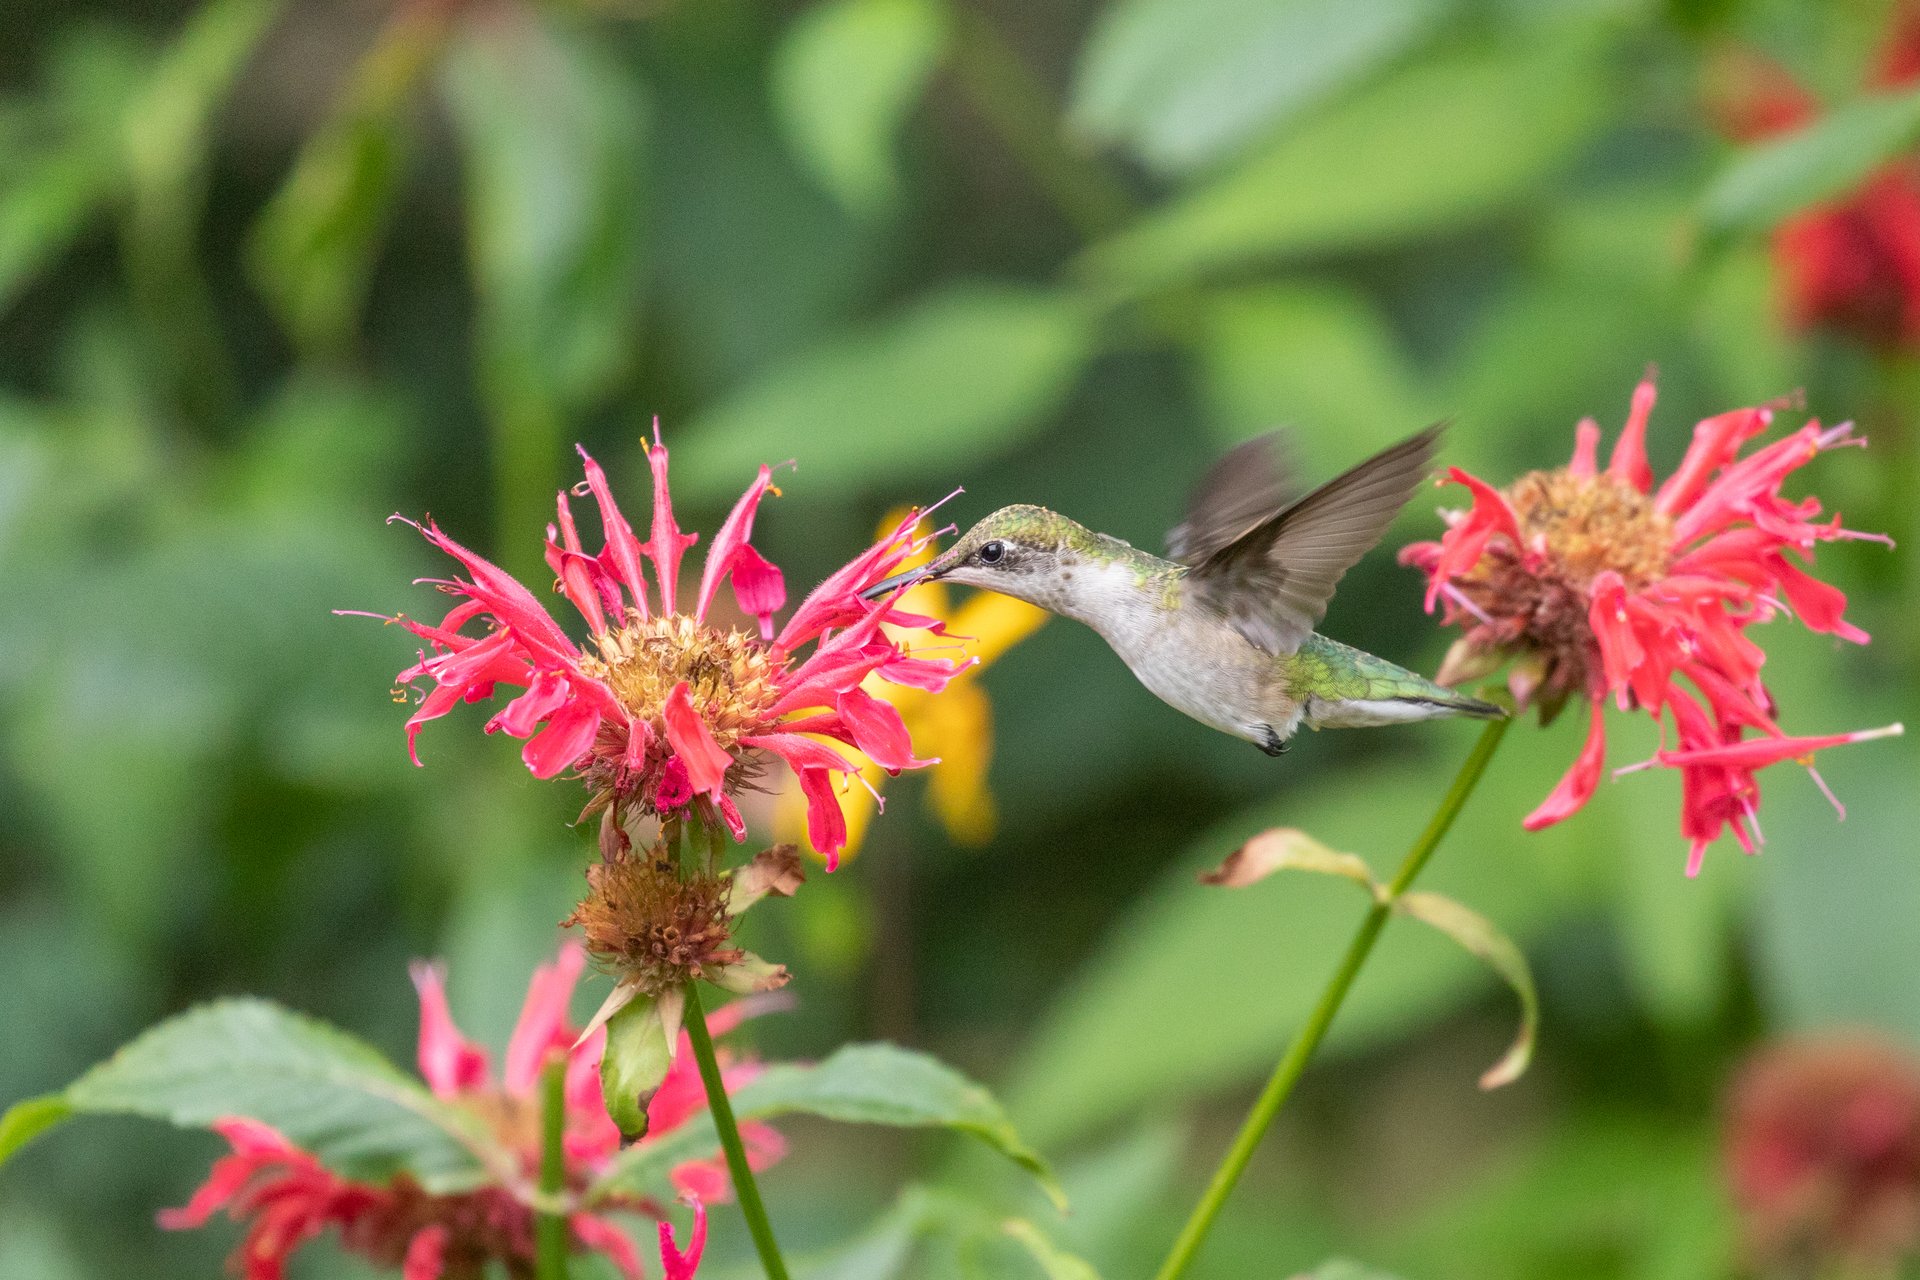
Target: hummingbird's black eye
column 993, row 553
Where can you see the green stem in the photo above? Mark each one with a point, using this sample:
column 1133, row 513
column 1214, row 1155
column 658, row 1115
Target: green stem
column 1301, row 1051
column 744, row 1186
column 1019, row 109
column 550, row 1229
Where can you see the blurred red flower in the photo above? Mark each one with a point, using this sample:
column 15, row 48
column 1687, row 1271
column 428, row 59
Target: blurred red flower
column 1823, row 1154
column 663, row 709
column 1597, row 583
column 1850, row 264
column 287, row 1197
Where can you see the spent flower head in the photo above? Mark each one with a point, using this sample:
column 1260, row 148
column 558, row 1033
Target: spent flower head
column 1595, row 583
column 662, row 711
column 286, row 1197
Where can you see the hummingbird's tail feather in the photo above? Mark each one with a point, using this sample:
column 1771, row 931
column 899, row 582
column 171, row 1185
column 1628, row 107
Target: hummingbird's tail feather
column 1346, row 688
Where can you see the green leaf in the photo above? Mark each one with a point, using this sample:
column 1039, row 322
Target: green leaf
column 1437, row 146
column 1343, row 1269
column 1344, row 378
column 167, row 126
column 1478, row 935
column 314, row 246
column 958, row 377
column 1180, row 82
column 844, row 81
column 1055, row 1262
column 322, row 1089
column 551, row 133
column 53, row 187
column 24, row 1121
column 1766, row 183
column 858, row 1084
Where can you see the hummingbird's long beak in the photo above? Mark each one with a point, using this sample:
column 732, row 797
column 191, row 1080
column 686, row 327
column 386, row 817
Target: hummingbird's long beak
column 934, row 568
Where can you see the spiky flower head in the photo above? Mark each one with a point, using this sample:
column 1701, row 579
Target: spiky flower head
column 1593, row 583
column 666, row 713
column 287, row 1197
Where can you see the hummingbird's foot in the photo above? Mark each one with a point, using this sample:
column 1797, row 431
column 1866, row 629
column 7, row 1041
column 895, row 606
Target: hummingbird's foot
column 1270, row 742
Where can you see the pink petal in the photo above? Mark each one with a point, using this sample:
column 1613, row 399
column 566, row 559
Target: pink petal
column 675, row 787
column 878, row 730
column 1715, row 442
column 1758, row 753
column 542, row 1026
column 254, row 1147
column 1586, row 446
column 800, row 753
column 426, row 1254
column 667, row 544
column 693, row 742
column 523, row 715
column 1819, row 604
column 678, row 1265
column 508, row 601
column 1463, row 545
column 568, row 736
column 597, row 1233
column 730, row 814
column 760, row 588
column 729, row 542
column 1629, row 462
column 826, row 824
column 623, row 548
column 1576, row 788
column 449, row 1062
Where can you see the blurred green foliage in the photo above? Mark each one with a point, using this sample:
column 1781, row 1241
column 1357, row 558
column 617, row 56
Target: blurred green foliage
column 269, row 272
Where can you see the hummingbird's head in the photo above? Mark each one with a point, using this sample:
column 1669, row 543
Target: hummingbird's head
column 1019, row 551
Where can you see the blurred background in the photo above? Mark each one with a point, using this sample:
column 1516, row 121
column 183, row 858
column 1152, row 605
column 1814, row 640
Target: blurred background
column 270, row 271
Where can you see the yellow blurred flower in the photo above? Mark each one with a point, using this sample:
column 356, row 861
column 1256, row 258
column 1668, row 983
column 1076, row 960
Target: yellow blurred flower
column 954, row 726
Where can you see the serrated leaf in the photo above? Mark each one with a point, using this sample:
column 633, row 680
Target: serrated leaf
column 1181, row 82
column 859, row 1084
column 955, row 378
column 322, row 1089
column 314, row 246
column 1434, row 147
column 1481, row 938
column 844, row 81
column 1771, row 181
column 24, row 1121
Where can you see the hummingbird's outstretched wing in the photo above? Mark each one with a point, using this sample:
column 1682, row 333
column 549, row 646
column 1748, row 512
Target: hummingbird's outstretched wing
column 1247, row 487
column 1272, row 583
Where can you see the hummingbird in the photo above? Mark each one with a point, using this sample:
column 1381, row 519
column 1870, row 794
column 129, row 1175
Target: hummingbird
column 1223, row 627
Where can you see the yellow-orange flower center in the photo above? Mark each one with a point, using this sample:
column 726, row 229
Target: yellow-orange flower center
column 729, row 678
column 1589, row 524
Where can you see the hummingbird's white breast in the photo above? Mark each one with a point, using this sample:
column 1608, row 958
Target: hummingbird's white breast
column 1186, row 658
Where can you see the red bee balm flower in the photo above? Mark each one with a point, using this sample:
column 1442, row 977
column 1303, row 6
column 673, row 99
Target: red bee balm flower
column 1601, row 584
column 287, row 1197
column 662, row 708
column 1852, row 263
